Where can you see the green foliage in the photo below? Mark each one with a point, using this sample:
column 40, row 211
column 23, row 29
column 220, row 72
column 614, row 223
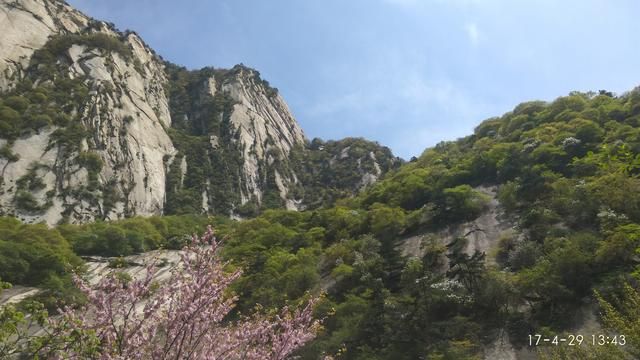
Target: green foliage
column 198, row 116
column 31, row 181
column 90, row 160
column 6, row 153
column 131, row 236
column 59, row 44
column 623, row 317
column 33, row 254
column 93, row 163
column 15, row 323
column 461, row 203
column 566, row 172
column 57, row 99
column 25, row 201
column 330, row 170
column 621, row 248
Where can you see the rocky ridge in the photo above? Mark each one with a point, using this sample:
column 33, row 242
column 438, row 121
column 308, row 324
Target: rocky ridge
column 95, row 125
column 123, row 113
column 26, row 27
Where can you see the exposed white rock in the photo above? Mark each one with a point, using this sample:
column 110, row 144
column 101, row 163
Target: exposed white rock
column 376, row 166
column 264, row 122
column 501, row 348
column 32, row 151
column 16, row 294
column 205, row 198
column 345, row 152
column 211, row 86
column 127, row 124
column 126, row 115
column 369, row 178
column 26, row 25
column 215, row 143
column 98, row 267
column 482, row 234
column 283, row 190
column 183, row 169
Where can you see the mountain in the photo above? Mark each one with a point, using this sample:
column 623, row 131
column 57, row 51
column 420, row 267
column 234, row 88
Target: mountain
column 95, row 125
column 529, row 225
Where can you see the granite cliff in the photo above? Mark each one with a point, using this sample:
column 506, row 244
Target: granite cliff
column 95, row 125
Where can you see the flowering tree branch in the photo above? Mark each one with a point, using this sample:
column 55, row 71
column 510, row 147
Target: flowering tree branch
column 181, row 318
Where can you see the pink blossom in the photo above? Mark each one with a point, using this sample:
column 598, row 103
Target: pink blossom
column 182, row 318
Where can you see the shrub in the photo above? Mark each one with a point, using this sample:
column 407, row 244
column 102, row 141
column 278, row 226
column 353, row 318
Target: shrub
column 24, row 200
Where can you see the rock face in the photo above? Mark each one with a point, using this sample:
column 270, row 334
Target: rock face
column 126, row 115
column 330, row 170
column 245, row 151
column 266, row 132
column 26, row 26
column 482, row 234
column 123, row 115
column 94, row 125
column 234, row 135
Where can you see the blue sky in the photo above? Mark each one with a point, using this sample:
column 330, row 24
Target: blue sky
column 407, row 73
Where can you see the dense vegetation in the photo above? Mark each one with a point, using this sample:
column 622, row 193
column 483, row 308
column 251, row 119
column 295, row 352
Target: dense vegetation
column 332, row 170
column 35, row 255
column 199, row 116
column 567, row 174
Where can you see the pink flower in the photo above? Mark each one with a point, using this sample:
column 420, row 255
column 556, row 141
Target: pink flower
column 181, row 318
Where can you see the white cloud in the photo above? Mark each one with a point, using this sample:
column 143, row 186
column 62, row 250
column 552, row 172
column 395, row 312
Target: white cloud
column 472, row 33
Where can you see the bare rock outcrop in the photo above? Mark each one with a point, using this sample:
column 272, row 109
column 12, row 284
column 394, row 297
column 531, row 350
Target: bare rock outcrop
column 26, row 26
column 124, row 114
column 103, row 128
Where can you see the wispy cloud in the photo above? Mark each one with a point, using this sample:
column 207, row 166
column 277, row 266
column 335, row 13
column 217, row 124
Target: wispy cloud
column 430, row 107
column 472, row 33
column 409, row 72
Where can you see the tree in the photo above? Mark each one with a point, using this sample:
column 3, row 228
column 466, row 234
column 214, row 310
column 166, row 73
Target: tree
column 622, row 320
column 460, row 203
column 182, row 318
column 625, row 318
column 15, row 323
column 467, row 269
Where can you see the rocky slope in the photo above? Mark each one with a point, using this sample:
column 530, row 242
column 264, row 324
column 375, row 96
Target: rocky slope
column 26, row 26
column 241, row 150
column 234, row 134
column 98, row 154
column 95, row 125
column 331, row 170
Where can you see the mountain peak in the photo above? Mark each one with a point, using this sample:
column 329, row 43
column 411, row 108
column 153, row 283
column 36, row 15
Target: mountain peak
column 121, row 132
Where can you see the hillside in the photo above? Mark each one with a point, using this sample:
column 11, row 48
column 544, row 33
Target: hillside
column 527, row 226
column 563, row 221
column 460, row 254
